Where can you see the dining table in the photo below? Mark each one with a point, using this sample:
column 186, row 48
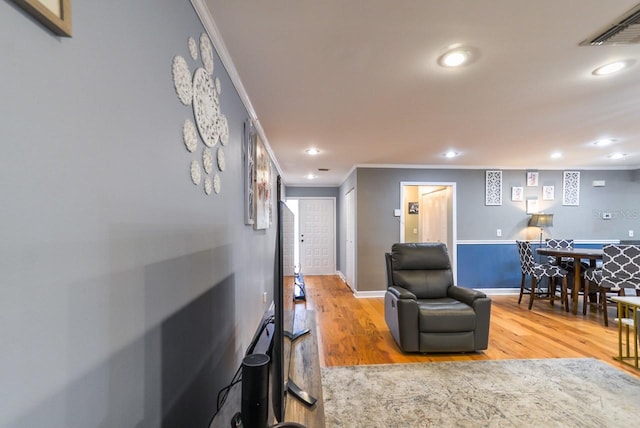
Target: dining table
column 577, row 255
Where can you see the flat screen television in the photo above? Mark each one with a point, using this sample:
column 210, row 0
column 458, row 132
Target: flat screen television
column 284, row 312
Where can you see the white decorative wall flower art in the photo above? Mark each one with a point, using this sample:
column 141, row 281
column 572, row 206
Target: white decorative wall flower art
column 205, row 109
column 493, row 188
column 193, row 48
column 221, row 160
column 206, row 51
column 182, row 80
column 571, row 188
column 190, row 135
column 517, row 194
column 207, row 160
column 548, row 193
column 201, row 90
column 216, row 183
column 196, row 173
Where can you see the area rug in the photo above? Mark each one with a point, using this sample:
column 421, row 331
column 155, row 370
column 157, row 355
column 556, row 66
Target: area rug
column 580, row 392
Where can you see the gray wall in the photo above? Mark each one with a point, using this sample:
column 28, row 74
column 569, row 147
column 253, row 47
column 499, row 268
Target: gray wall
column 128, row 295
column 379, row 194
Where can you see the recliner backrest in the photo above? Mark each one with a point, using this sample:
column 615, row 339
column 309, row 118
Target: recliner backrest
column 422, row 268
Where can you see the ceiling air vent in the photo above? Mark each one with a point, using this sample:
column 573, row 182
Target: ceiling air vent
column 626, row 31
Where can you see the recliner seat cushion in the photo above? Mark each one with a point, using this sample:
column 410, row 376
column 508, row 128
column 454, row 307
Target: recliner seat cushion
column 445, row 315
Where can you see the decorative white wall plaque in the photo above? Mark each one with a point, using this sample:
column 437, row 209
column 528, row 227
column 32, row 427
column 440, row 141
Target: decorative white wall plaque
column 207, row 160
column 196, row 173
column 205, row 109
column 193, row 49
column 224, row 130
column 206, row 52
column 201, row 90
column 221, row 161
column 216, row 183
column 190, row 135
column 571, row 188
column 182, row 80
column 532, row 178
column 493, row 188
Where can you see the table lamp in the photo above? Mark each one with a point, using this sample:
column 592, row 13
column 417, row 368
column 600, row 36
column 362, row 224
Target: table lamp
column 541, row 220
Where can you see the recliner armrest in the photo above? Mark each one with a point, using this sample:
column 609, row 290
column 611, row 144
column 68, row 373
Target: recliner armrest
column 466, row 295
column 401, row 293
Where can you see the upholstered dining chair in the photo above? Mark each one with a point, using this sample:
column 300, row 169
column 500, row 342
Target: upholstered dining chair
column 619, row 274
column 538, row 272
column 559, row 243
column 568, row 265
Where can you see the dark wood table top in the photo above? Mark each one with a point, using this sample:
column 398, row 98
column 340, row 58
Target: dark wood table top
column 576, row 253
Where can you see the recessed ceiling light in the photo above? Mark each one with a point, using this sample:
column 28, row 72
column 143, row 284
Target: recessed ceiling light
column 312, row 151
column 556, row 155
column 617, row 155
column 457, row 56
column 604, row 142
column 451, row 154
column 613, row 67
column 310, row 176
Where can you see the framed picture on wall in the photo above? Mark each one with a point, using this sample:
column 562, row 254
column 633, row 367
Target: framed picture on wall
column 262, row 186
column 517, row 194
column 532, row 206
column 248, row 154
column 413, row 208
column 532, row 178
column 53, row 14
column 548, row 193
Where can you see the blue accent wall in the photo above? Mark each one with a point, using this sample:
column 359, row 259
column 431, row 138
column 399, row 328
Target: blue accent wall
column 493, row 265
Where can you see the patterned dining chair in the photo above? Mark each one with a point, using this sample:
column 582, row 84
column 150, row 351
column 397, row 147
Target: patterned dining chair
column 619, row 274
column 568, row 265
column 538, row 272
column 559, row 243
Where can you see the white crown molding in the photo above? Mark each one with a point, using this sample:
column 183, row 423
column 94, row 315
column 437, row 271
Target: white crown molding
column 483, row 167
column 204, row 14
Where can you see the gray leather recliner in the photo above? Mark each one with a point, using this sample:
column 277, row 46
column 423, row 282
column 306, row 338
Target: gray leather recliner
column 424, row 310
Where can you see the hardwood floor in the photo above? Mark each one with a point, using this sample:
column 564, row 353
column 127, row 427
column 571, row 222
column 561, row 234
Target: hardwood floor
column 352, row 331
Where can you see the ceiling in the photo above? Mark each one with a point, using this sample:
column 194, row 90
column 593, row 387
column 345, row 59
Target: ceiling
column 359, row 80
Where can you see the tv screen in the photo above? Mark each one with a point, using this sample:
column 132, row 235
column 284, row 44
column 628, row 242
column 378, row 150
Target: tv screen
column 283, row 306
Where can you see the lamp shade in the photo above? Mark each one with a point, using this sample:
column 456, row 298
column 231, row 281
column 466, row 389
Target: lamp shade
column 541, row 220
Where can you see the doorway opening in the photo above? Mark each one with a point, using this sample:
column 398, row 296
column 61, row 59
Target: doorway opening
column 428, row 214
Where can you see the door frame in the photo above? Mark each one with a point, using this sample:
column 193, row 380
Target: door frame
column 454, row 217
column 332, row 198
column 350, row 255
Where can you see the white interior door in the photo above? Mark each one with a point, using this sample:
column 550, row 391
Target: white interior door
column 317, row 236
column 433, row 217
column 351, row 239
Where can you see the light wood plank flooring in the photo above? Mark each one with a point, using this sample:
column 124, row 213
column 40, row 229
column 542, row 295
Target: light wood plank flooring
column 352, row 331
